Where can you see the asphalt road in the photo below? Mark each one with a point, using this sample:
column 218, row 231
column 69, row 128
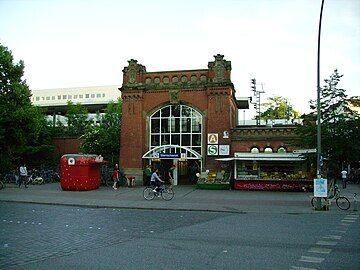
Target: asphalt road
column 36, row 236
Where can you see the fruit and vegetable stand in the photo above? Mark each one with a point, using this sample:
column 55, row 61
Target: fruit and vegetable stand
column 270, row 171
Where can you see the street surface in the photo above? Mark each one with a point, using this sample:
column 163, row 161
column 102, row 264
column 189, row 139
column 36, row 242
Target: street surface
column 36, row 236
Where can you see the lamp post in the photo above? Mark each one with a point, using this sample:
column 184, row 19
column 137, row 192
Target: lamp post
column 318, row 154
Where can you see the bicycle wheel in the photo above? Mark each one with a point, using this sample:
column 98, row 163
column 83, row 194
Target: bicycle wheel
column 313, row 201
column 167, row 194
column 148, row 193
column 343, row 203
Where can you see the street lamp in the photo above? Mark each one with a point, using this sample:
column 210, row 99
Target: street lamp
column 318, row 153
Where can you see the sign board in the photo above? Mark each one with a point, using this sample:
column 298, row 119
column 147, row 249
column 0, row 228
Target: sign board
column 169, row 155
column 224, row 150
column 320, row 187
column 212, row 150
column 213, row 138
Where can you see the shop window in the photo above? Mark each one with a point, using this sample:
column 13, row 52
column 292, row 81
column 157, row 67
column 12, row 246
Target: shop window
column 268, row 150
column 254, row 150
column 281, row 149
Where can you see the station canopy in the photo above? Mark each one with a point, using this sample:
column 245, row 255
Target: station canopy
column 172, row 151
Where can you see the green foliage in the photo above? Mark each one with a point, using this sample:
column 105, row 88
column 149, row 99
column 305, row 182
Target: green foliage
column 24, row 133
column 278, row 108
column 104, row 139
column 77, row 119
column 339, row 126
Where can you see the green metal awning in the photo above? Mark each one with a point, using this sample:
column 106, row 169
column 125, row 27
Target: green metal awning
column 265, row 157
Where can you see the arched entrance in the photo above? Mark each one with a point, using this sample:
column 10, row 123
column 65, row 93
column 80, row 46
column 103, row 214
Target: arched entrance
column 187, row 161
column 175, row 137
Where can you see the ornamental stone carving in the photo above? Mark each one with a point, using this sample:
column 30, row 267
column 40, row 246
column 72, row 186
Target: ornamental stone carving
column 133, row 72
column 220, row 67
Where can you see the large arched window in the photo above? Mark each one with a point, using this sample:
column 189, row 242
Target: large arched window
column 176, row 125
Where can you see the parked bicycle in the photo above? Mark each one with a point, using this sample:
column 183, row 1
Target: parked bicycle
column 341, row 201
column 34, row 178
column 165, row 192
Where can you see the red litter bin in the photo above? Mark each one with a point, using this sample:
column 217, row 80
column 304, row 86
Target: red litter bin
column 80, row 172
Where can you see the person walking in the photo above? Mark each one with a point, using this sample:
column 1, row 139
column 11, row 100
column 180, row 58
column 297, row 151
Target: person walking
column 23, row 175
column 147, row 175
column 115, row 176
column 171, row 174
column 344, row 178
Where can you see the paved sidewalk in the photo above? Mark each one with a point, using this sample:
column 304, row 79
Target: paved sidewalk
column 186, row 198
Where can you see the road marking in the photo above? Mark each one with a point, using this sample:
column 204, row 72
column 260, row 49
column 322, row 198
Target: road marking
column 340, row 231
column 334, row 237
column 326, row 243
column 345, row 224
column 311, row 259
column 348, row 220
column 351, row 217
column 320, row 250
column 301, row 268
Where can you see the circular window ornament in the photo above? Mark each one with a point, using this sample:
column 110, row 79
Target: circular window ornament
column 71, row 161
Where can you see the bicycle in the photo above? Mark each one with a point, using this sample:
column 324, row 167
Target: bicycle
column 341, row 201
column 166, row 192
column 34, row 179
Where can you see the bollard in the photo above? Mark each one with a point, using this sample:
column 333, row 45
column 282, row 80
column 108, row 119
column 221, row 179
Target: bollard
column 355, row 203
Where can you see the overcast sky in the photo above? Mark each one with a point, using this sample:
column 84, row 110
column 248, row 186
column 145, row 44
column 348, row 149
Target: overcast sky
column 88, row 43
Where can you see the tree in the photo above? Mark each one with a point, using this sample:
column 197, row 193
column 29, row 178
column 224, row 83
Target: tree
column 278, row 108
column 104, row 138
column 22, row 126
column 77, row 119
column 339, row 126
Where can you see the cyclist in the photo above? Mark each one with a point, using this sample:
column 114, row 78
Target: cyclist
column 155, row 180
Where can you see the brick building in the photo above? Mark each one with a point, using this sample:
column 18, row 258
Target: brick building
column 188, row 118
